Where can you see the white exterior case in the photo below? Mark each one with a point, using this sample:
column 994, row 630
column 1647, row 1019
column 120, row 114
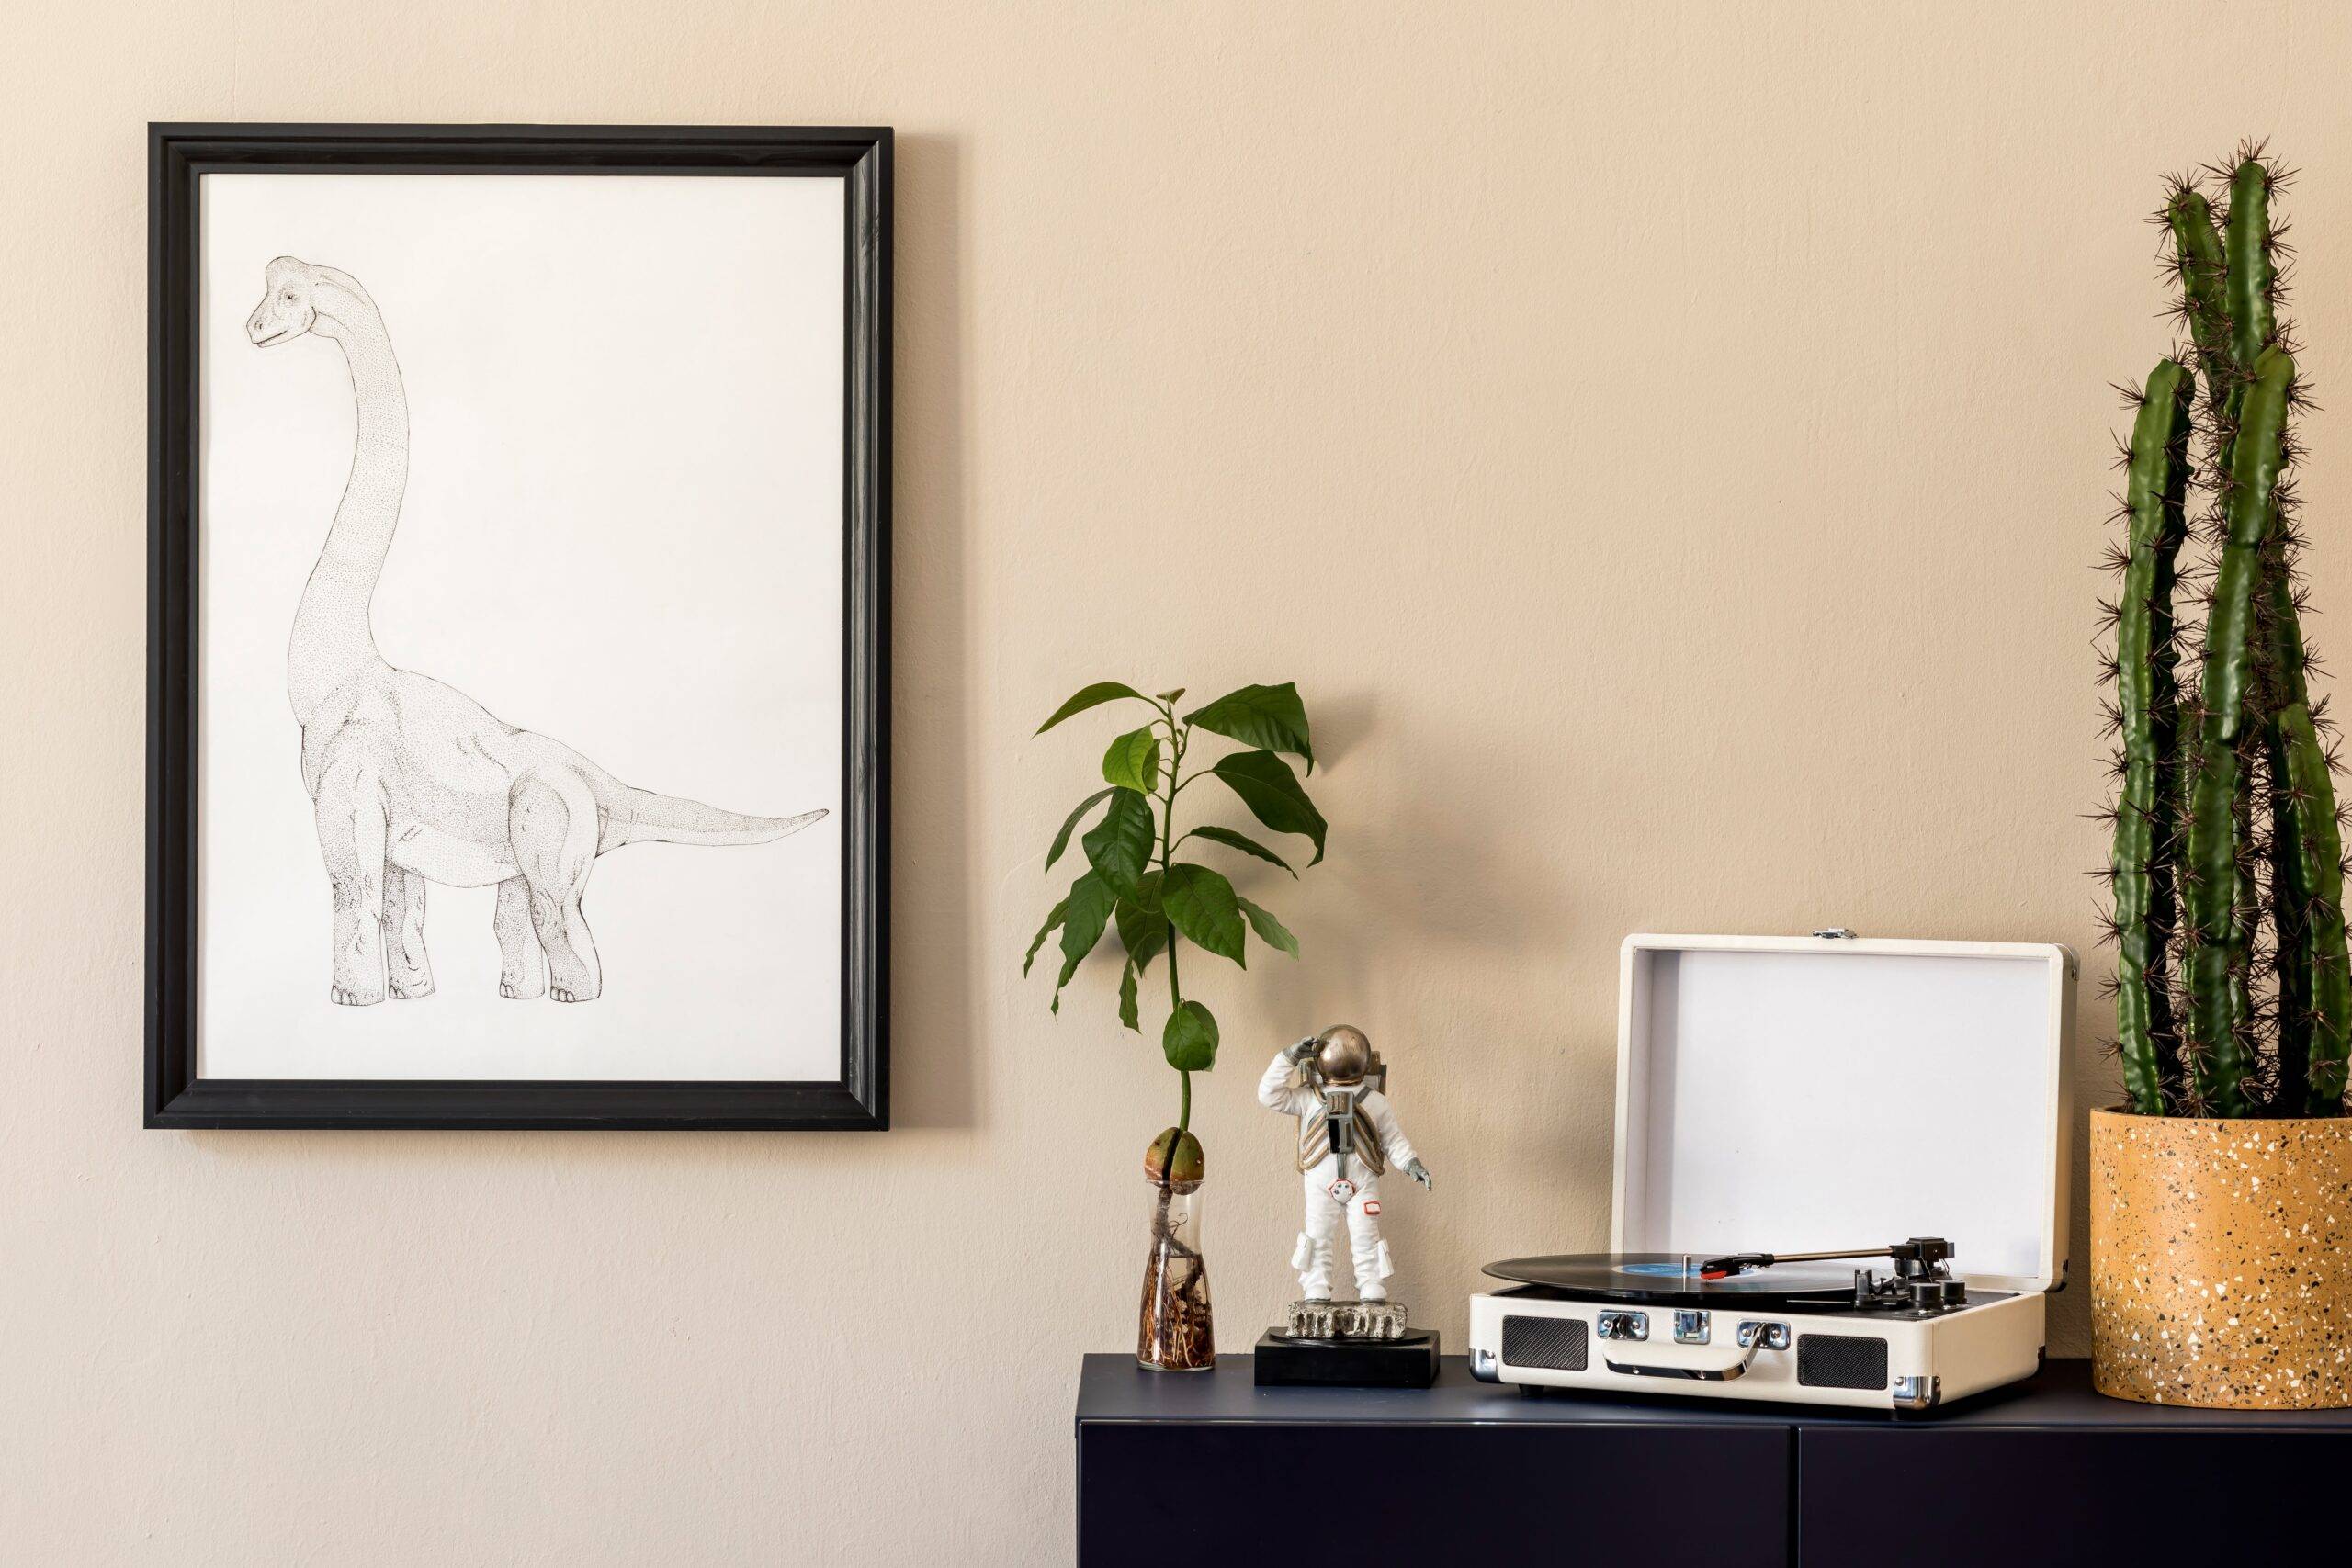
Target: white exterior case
column 1790, row 1094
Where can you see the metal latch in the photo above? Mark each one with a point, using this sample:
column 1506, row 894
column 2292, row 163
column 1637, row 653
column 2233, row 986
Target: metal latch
column 1624, row 1326
column 1837, row 933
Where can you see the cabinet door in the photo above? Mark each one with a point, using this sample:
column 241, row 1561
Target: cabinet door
column 2022, row 1497
column 1299, row 1495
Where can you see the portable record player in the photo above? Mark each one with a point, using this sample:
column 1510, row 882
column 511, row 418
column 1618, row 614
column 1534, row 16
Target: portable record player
column 1840, row 1179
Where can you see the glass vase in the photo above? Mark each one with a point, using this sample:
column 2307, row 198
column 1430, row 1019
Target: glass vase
column 1175, row 1332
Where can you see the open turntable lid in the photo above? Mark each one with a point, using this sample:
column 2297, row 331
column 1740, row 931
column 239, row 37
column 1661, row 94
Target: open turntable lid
column 1787, row 1094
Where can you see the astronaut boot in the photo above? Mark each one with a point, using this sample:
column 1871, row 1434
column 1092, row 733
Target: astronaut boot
column 1374, row 1318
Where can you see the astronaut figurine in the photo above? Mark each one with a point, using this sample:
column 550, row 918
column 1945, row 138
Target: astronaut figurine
column 1348, row 1137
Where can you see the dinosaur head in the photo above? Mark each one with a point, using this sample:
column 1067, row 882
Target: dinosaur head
column 289, row 304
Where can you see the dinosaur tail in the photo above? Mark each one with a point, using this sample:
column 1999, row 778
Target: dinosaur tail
column 641, row 817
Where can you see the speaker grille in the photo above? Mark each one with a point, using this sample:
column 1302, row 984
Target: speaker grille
column 1839, row 1360
column 1556, row 1344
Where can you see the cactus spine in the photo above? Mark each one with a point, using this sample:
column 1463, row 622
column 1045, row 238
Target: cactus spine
column 2234, row 995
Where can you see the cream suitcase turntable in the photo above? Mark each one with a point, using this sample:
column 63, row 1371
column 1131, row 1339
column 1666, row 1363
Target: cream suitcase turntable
column 1888, row 1118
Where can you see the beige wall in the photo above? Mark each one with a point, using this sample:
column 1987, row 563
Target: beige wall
column 1667, row 445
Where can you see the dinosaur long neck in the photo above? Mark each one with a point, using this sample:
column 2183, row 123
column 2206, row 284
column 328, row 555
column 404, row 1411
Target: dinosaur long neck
column 332, row 637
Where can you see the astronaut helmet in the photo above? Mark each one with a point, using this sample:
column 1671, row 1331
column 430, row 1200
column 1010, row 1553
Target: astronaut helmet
column 1342, row 1055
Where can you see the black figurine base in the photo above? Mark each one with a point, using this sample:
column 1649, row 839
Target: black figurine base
column 1406, row 1362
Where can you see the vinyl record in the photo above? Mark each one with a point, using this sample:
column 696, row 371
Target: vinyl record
column 1671, row 1278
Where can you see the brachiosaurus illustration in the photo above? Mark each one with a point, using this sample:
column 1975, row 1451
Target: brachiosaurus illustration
column 411, row 779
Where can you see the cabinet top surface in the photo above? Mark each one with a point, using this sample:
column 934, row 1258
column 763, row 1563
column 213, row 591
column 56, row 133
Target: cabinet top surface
column 1112, row 1388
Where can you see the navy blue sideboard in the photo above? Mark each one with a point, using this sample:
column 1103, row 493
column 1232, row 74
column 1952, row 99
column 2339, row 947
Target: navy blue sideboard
column 1206, row 1469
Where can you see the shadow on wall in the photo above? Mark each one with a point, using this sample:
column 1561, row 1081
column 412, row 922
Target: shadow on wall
column 1415, row 877
column 932, row 1062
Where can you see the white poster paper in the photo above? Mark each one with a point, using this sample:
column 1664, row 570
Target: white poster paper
column 609, row 622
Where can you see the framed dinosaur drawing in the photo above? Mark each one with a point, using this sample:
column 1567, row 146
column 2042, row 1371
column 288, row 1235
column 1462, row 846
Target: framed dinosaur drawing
column 518, row 496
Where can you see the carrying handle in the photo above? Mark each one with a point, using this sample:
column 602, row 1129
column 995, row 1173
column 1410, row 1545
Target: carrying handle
column 1724, row 1373
column 1753, row 1337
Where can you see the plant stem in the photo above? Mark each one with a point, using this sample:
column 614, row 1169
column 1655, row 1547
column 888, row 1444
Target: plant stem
column 2148, row 703
column 1166, row 849
column 2220, row 1060
column 2328, row 1048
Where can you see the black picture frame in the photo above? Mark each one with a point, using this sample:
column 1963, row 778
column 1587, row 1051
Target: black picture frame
column 179, row 156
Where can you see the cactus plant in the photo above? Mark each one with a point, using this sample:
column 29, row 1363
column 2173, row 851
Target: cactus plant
column 2234, row 997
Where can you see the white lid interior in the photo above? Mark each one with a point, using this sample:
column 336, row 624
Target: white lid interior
column 1803, row 1094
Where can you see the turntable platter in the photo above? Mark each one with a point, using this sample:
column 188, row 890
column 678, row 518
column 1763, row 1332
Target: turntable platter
column 1670, row 1278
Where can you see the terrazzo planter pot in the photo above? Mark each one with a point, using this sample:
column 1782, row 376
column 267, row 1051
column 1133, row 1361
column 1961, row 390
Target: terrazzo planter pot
column 2219, row 1269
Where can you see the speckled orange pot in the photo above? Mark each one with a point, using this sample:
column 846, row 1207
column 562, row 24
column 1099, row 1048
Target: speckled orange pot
column 2219, row 1274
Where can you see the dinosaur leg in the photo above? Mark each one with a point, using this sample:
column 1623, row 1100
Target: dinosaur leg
column 410, row 971
column 521, row 970
column 552, row 821
column 350, row 816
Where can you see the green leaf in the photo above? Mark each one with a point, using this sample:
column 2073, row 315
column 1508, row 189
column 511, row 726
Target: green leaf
column 1172, row 696
column 1127, row 1014
column 1271, row 932
column 1133, row 761
column 1052, row 920
column 1143, row 928
column 1200, row 904
column 1246, row 845
column 1189, row 1042
column 1120, row 845
column 1267, row 717
column 1148, row 893
column 1092, row 696
column 1086, row 911
column 1271, row 791
column 1061, row 840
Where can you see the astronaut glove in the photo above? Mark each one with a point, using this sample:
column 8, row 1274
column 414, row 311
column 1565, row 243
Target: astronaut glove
column 1419, row 1173
column 1302, row 1049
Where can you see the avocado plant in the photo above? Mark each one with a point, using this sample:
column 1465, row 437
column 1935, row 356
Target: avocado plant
column 1143, row 877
